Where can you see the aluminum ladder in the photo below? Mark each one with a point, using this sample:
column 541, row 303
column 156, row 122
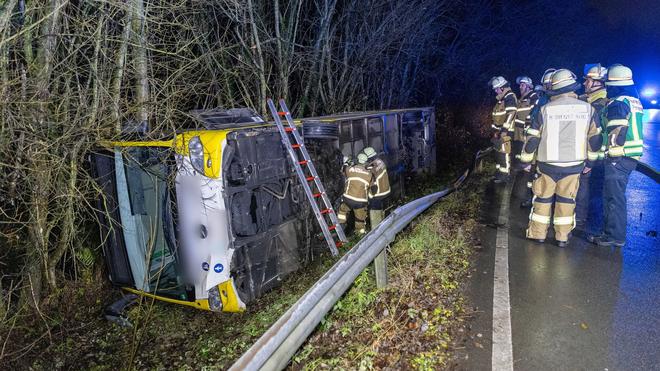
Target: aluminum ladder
column 293, row 141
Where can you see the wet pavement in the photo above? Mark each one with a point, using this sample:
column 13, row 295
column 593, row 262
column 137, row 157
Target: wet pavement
column 582, row 307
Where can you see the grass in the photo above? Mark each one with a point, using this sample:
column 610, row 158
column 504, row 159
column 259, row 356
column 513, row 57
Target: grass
column 413, row 323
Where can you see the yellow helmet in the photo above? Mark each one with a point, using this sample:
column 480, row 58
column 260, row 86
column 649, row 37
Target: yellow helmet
column 362, row 158
column 619, row 75
column 562, row 78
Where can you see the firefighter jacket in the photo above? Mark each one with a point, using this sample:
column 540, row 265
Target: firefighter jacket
column 564, row 133
column 598, row 100
column 623, row 118
column 381, row 182
column 504, row 111
column 523, row 114
column 541, row 100
column 358, row 180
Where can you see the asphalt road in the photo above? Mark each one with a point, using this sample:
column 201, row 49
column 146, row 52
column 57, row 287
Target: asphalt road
column 581, row 307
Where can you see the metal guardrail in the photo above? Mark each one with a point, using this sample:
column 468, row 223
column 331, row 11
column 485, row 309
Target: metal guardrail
column 274, row 349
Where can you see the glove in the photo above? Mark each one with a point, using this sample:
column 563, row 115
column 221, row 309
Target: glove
column 526, row 157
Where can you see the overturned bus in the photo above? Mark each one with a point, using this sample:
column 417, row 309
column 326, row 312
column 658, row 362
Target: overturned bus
column 215, row 216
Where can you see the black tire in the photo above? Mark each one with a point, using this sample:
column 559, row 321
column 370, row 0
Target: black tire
column 320, row 130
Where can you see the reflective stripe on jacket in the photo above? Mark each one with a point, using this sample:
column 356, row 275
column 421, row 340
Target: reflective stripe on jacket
column 598, row 100
column 505, row 110
column 624, row 112
column 523, row 118
column 358, row 180
column 381, row 180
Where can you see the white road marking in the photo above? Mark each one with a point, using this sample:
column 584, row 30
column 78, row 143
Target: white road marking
column 502, row 344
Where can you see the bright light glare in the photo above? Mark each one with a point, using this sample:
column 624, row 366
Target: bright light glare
column 648, row 92
column 654, row 102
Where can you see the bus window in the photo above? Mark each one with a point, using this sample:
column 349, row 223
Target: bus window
column 375, row 126
column 359, row 131
column 345, row 132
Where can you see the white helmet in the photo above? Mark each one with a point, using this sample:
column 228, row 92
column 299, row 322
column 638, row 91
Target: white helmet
column 547, row 76
column 525, row 80
column 619, row 75
column 563, row 78
column 596, row 72
column 362, row 158
column 497, row 82
column 370, row 152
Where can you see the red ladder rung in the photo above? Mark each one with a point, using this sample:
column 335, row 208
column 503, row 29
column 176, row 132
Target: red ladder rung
column 316, row 195
column 332, row 227
column 326, row 211
column 295, row 146
column 303, row 162
column 282, row 113
column 309, row 178
column 288, row 130
column 339, row 244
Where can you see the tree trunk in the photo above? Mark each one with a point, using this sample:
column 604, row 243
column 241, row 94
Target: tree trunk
column 139, row 41
column 95, row 77
column 67, row 225
column 261, row 70
column 118, row 75
column 37, row 248
column 5, row 15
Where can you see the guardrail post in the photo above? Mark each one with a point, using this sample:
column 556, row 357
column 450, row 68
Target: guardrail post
column 380, row 263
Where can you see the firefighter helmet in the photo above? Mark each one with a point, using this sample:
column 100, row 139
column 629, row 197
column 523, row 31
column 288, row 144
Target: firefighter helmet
column 547, row 76
column 563, row 78
column 497, row 82
column 595, row 72
column 524, row 80
column 348, row 160
column 619, row 75
column 370, row 152
column 362, row 159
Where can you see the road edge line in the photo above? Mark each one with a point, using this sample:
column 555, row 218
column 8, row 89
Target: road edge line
column 502, row 351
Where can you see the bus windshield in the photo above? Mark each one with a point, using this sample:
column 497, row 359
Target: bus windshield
column 145, row 183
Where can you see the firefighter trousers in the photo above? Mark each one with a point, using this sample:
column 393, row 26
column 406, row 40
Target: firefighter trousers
column 582, row 198
column 360, row 212
column 617, row 172
column 559, row 190
column 516, row 149
column 503, row 155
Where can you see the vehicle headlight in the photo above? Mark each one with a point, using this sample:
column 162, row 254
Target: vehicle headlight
column 196, row 153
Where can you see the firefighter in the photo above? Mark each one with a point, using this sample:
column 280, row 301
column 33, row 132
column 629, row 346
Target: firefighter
column 559, row 136
column 622, row 120
column 541, row 100
column 358, row 180
column 346, row 164
column 380, row 187
column 526, row 103
column 503, row 115
column 596, row 95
